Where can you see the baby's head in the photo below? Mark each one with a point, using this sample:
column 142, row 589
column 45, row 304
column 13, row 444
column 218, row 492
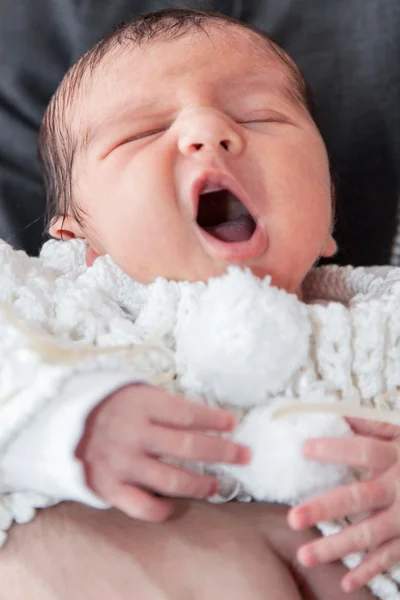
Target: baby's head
column 183, row 143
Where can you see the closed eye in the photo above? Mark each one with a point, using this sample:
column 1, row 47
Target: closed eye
column 266, row 120
column 142, row 135
column 264, row 126
column 263, row 121
column 269, row 116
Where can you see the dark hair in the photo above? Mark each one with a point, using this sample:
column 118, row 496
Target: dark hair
column 57, row 146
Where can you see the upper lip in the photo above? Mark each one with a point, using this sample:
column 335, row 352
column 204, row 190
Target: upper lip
column 220, row 180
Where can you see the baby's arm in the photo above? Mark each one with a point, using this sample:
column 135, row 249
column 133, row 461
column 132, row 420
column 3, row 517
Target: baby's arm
column 41, row 456
column 51, row 402
column 93, row 450
column 102, row 429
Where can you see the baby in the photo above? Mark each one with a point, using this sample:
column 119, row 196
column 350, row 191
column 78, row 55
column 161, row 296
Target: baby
column 179, row 145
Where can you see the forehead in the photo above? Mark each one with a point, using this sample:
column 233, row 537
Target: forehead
column 204, row 60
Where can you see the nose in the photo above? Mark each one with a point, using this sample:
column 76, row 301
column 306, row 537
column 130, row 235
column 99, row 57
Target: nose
column 202, row 130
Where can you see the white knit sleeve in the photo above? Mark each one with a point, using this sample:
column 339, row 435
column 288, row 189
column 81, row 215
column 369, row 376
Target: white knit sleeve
column 45, row 396
column 41, row 457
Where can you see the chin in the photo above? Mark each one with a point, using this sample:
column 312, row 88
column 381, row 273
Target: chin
column 260, row 272
column 284, row 283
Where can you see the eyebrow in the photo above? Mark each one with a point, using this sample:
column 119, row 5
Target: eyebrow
column 92, row 130
column 126, row 110
column 289, row 86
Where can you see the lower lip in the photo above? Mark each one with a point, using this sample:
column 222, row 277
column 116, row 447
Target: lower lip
column 235, row 251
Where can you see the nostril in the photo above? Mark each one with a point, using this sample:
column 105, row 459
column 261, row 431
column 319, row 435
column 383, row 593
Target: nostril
column 196, row 146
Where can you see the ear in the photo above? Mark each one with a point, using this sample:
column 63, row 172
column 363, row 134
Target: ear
column 330, row 247
column 65, row 228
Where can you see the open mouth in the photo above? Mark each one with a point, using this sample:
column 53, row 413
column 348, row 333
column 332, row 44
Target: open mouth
column 222, row 215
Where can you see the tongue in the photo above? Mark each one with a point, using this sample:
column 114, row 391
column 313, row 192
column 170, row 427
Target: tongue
column 237, row 230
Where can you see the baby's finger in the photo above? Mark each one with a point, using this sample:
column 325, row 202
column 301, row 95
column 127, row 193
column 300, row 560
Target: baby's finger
column 347, row 500
column 137, row 503
column 194, row 446
column 169, row 480
column 362, row 536
column 180, row 412
column 374, row 563
column 357, row 451
column 369, row 475
column 386, row 431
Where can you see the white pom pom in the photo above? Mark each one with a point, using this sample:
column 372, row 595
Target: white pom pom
column 240, row 340
column 278, row 472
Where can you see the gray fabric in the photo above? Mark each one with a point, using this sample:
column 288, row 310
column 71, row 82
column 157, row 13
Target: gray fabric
column 348, row 49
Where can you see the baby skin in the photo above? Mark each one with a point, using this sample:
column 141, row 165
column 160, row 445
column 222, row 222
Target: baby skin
column 205, row 551
column 375, row 450
column 206, row 156
column 258, row 538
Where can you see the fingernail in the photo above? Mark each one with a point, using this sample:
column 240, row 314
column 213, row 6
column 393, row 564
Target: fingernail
column 348, row 585
column 299, row 518
column 310, row 448
column 243, row 455
column 233, row 422
column 307, row 557
column 294, row 520
column 214, row 489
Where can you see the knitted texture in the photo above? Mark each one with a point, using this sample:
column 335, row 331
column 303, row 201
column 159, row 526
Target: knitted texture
column 234, row 341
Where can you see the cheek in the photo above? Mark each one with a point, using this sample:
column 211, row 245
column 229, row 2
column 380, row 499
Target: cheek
column 131, row 197
column 142, row 229
column 299, row 181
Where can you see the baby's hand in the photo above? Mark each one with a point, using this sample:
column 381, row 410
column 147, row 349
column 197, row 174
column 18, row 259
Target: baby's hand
column 376, row 450
column 126, row 435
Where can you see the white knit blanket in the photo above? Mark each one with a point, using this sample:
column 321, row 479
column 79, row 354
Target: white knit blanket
column 235, row 341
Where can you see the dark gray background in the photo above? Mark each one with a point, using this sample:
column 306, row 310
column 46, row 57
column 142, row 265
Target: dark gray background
column 348, row 49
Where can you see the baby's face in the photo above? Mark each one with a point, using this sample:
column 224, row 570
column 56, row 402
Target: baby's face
column 197, row 157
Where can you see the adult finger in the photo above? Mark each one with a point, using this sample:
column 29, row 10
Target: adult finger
column 169, row 480
column 194, row 446
column 374, row 563
column 362, row 536
column 134, row 502
column 357, row 451
column 347, row 500
column 177, row 411
column 385, row 431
